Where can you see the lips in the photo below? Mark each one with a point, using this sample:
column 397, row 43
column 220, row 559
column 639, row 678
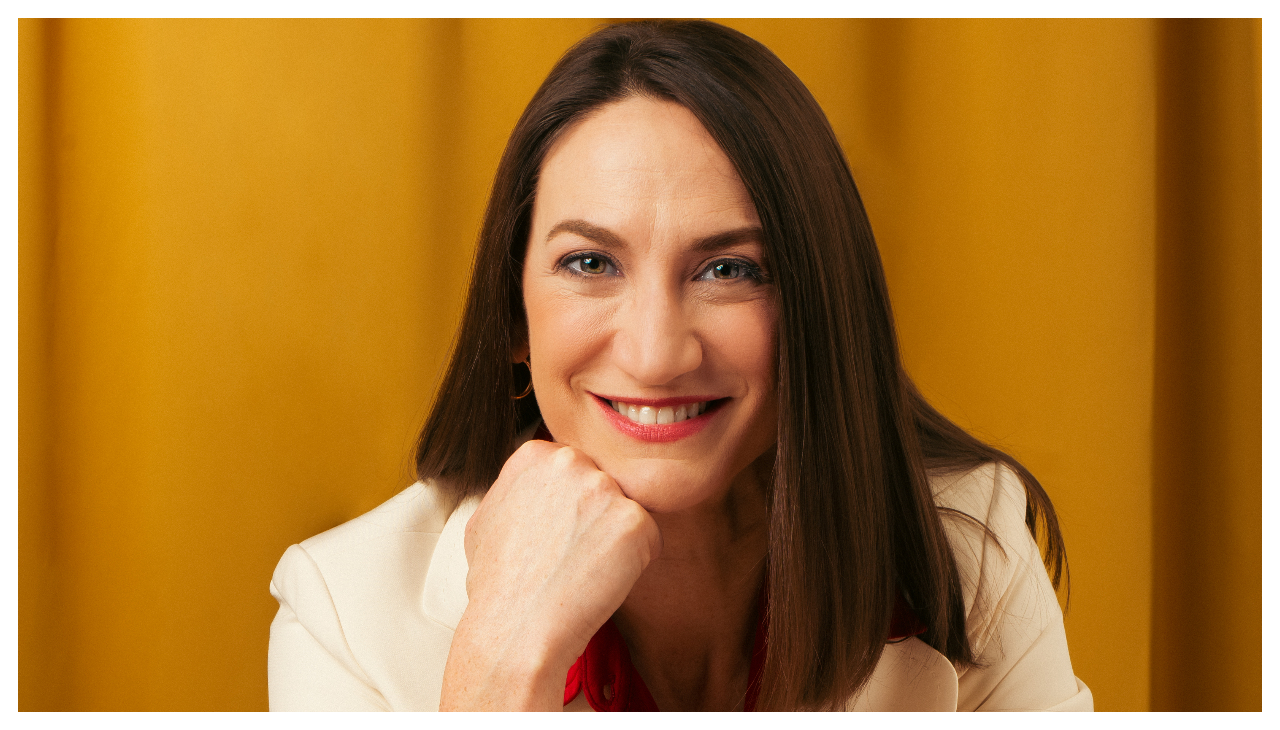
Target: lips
column 660, row 420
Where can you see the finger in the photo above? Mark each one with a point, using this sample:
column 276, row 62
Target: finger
column 642, row 532
column 653, row 535
column 530, row 453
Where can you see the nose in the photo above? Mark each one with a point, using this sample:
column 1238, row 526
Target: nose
column 655, row 342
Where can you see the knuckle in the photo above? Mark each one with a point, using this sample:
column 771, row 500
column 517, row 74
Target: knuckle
column 519, row 460
column 527, row 456
column 598, row 482
column 643, row 531
column 634, row 518
column 533, row 450
column 564, row 457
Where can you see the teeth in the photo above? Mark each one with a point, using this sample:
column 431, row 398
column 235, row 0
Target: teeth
column 650, row 416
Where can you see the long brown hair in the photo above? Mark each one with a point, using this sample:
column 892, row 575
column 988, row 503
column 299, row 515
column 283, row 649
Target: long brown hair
column 852, row 517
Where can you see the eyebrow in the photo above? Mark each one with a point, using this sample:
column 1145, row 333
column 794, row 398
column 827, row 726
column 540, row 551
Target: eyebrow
column 609, row 239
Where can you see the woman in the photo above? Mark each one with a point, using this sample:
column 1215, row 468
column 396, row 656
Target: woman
column 675, row 462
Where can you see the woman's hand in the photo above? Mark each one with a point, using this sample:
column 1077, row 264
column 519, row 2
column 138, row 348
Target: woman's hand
column 554, row 548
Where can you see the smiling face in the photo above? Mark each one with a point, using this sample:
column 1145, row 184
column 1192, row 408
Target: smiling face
column 651, row 317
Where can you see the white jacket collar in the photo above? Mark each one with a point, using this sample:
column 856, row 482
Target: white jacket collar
column 444, row 594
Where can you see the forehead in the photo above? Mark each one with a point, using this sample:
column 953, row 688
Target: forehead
column 640, row 161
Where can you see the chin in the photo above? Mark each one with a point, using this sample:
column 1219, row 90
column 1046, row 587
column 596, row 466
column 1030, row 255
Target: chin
column 664, row 488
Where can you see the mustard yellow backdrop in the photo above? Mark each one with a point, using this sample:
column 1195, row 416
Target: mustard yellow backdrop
column 244, row 244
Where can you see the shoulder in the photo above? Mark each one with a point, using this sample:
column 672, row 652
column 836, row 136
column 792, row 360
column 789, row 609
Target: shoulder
column 371, row 551
column 353, row 593
column 989, row 490
column 984, row 515
column 398, row 532
column 993, row 496
column 1012, row 617
column 421, row 508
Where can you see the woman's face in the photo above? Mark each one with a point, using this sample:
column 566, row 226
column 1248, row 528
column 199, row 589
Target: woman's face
column 651, row 320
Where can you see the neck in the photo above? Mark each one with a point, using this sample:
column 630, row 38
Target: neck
column 690, row 620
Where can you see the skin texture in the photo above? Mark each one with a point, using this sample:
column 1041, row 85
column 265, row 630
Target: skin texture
column 644, row 279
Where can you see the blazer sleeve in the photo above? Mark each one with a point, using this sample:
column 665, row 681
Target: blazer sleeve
column 1013, row 619
column 309, row 664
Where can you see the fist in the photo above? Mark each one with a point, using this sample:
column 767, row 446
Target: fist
column 553, row 550
column 557, row 541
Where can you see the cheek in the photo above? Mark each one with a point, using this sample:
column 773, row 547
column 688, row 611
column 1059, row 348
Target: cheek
column 745, row 337
column 565, row 333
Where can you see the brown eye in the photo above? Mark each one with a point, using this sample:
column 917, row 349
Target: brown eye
column 594, row 265
column 729, row 270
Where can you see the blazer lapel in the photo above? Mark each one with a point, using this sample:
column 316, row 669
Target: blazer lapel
column 444, row 591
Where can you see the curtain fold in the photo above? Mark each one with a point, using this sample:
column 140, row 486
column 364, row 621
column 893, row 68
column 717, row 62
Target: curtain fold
column 243, row 246
column 1207, row 568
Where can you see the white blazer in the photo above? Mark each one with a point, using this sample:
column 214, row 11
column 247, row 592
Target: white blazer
column 368, row 610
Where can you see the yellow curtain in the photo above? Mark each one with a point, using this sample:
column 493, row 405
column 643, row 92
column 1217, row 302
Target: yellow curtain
column 243, row 247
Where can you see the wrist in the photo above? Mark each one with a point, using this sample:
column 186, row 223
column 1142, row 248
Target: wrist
column 496, row 663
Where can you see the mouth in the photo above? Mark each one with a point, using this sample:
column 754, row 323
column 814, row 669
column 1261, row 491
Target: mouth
column 662, row 419
column 647, row 415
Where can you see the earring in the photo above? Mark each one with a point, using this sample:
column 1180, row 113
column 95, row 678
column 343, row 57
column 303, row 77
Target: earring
column 528, row 388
